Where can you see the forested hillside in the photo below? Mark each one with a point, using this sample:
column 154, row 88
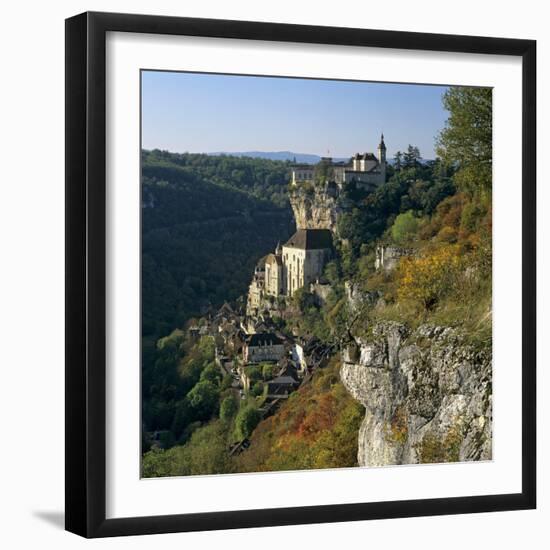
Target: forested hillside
column 205, row 223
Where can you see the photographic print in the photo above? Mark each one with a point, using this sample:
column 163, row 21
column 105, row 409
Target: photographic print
column 316, row 274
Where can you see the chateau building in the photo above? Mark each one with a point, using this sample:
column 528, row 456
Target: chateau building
column 299, row 262
column 363, row 168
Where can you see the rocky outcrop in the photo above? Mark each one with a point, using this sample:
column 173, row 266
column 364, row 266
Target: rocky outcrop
column 427, row 396
column 316, row 207
column 387, row 257
column 357, row 298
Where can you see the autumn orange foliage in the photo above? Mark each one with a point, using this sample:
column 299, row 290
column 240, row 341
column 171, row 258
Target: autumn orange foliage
column 315, row 428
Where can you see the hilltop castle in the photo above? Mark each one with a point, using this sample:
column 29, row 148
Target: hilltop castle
column 363, row 168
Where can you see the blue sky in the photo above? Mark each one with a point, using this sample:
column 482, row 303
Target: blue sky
column 203, row 113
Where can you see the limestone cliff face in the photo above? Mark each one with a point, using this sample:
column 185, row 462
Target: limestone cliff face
column 427, row 396
column 317, row 208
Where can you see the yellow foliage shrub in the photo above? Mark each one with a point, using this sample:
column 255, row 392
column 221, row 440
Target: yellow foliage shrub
column 428, row 278
column 447, row 234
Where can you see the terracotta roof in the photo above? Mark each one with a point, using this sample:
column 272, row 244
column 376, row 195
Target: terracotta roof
column 310, row 239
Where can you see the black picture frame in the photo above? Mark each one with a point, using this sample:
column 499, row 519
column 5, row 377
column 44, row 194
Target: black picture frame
column 86, row 268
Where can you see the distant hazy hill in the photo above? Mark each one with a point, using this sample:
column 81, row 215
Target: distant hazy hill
column 276, row 155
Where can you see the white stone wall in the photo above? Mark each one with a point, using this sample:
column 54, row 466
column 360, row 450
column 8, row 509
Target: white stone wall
column 299, row 358
column 339, row 174
column 375, row 178
column 293, row 261
column 302, row 174
column 254, row 295
column 301, row 267
column 388, row 257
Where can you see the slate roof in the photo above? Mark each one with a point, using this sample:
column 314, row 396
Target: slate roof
column 273, row 258
column 310, row 239
column 260, row 264
column 365, row 156
column 284, row 380
column 263, row 339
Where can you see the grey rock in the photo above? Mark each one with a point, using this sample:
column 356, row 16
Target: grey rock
column 319, row 209
column 427, row 396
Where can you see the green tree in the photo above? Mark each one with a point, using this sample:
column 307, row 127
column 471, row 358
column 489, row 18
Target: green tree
column 254, row 373
column 411, row 157
column 323, row 172
column 267, row 371
column 159, row 463
column 211, row 373
column 332, row 272
column 206, row 451
column 182, row 418
column 247, row 419
column 203, row 398
column 404, row 228
column 257, row 389
column 467, row 139
column 227, row 382
column 398, row 160
column 228, row 408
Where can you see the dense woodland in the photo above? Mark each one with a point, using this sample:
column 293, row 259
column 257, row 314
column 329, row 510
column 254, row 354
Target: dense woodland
column 203, row 228
column 440, row 210
column 201, row 233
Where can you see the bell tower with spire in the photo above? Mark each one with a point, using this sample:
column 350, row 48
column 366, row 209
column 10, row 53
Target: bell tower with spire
column 382, row 158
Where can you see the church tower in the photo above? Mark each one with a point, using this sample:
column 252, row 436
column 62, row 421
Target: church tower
column 382, row 158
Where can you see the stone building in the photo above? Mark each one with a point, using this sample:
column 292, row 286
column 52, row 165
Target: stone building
column 262, row 347
column 299, row 262
column 257, row 287
column 274, row 280
column 299, row 358
column 304, row 257
column 363, row 168
column 282, row 386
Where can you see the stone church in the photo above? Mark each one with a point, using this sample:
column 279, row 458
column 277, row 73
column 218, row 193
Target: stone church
column 299, row 262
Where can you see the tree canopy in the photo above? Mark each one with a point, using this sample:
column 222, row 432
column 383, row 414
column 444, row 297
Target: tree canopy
column 467, row 139
column 404, row 227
